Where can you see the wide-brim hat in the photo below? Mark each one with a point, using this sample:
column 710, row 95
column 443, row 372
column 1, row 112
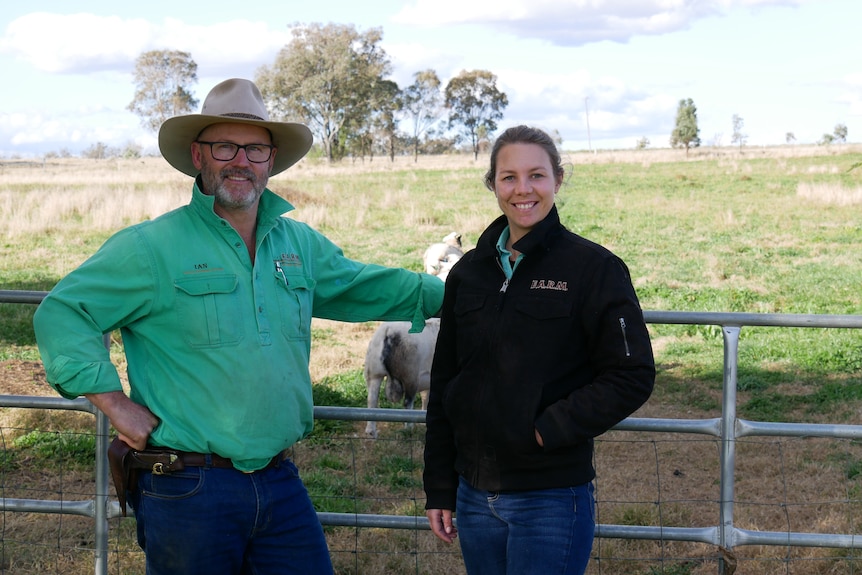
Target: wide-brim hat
column 236, row 101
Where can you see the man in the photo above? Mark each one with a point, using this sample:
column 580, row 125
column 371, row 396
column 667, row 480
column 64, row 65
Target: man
column 214, row 301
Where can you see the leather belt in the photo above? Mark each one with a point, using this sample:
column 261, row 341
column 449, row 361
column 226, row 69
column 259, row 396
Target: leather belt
column 200, row 460
column 163, row 461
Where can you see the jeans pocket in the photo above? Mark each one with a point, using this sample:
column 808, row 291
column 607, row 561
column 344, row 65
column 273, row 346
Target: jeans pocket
column 173, row 486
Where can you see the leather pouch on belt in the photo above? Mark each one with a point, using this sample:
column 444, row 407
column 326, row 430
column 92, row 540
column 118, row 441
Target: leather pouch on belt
column 127, row 463
column 118, row 453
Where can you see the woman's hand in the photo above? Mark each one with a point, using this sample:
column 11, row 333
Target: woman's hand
column 441, row 524
column 539, row 439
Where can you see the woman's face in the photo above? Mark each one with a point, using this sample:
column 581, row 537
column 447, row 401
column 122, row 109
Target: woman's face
column 525, row 186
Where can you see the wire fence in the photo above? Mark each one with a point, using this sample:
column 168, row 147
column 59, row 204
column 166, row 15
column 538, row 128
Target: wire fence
column 674, row 496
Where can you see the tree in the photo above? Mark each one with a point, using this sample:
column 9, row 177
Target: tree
column 685, row 132
column 327, row 77
column 387, row 104
column 422, row 104
column 738, row 137
column 840, row 133
column 474, row 102
column 379, row 128
column 163, row 80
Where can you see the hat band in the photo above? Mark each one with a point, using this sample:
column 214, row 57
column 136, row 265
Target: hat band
column 241, row 115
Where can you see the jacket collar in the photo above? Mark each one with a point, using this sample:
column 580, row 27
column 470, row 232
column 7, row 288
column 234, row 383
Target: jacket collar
column 541, row 237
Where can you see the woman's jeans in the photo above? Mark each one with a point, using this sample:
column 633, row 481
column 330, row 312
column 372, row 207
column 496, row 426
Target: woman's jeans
column 213, row 521
column 542, row 532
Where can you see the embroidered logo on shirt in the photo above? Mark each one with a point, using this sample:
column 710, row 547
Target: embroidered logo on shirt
column 289, row 261
column 549, row 284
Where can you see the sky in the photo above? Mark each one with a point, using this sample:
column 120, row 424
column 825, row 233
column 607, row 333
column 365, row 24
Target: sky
column 603, row 74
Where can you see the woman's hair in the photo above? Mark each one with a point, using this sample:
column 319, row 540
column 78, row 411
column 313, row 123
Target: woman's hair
column 524, row 135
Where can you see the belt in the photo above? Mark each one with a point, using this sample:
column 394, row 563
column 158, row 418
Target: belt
column 162, row 460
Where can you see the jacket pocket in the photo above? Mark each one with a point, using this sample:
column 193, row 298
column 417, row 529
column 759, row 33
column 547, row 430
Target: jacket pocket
column 295, row 297
column 208, row 310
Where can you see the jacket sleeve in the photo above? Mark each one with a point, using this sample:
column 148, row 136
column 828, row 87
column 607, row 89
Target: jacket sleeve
column 439, row 476
column 620, row 356
column 109, row 290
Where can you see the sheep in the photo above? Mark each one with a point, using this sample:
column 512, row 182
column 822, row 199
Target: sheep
column 404, row 360
column 440, row 257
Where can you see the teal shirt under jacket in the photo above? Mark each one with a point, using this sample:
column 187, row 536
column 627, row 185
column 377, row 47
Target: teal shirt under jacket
column 217, row 347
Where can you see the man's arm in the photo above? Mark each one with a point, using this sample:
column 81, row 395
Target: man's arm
column 133, row 422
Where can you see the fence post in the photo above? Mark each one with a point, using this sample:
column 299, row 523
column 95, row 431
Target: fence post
column 102, row 495
column 728, row 442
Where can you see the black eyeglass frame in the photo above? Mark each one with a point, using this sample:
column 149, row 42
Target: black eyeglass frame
column 237, row 148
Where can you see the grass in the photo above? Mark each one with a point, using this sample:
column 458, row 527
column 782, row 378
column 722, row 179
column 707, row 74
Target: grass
column 765, row 231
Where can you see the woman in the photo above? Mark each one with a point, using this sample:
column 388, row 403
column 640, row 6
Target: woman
column 542, row 347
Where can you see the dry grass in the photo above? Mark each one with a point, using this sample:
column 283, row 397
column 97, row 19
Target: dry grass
column 830, row 194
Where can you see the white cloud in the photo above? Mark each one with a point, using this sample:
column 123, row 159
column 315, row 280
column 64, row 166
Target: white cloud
column 573, row 22
column 76, row 43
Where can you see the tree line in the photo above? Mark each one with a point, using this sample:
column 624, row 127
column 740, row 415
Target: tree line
column 336, row 80
column 686, row 133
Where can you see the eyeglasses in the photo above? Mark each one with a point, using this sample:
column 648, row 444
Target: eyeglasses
column 226, row 151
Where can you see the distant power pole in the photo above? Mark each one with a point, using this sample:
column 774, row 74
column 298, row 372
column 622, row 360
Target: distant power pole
column 589, row 138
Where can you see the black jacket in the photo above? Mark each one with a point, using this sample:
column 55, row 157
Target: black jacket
column 561, row 348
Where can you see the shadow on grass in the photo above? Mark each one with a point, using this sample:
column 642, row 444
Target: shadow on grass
column 793, row 395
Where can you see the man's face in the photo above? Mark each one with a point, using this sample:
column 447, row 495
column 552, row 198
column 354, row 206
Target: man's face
column 238, row 183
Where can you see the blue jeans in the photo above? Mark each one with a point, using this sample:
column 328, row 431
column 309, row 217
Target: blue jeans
column 542, row 532
column 213, row 521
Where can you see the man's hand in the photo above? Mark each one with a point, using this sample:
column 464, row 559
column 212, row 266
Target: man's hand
column 441, row 524
column 133, row 422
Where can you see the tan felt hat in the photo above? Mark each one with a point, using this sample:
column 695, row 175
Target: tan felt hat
column 235, row 101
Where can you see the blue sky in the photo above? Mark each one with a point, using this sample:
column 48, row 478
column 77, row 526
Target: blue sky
column 617, row 67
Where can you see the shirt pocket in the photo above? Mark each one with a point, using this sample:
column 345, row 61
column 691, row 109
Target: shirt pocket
column 209, row 310
column 295, row 297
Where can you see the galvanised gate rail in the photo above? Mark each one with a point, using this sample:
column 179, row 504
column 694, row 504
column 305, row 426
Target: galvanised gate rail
column 728, row 428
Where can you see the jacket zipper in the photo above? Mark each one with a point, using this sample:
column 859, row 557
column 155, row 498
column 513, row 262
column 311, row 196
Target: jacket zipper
column 625, row 339
column 503, row 287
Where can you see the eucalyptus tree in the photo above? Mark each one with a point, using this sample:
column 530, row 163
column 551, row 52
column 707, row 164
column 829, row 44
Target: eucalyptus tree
column 685, row 131
column 327, row 76
column 475, row 104
column 738, row 136
column 422, row 105
column 163, row 81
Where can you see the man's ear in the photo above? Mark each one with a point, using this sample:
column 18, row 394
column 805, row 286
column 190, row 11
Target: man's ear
column 196, row 152
column 272, row 161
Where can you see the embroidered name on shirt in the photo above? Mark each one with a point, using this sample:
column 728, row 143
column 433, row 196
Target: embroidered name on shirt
column 549, row 284
column 290, row 260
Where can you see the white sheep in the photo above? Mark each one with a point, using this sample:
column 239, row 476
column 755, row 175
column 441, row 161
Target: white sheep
column 440, row 257
column 403, row 359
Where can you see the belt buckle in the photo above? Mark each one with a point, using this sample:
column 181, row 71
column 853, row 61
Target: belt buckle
column 159, row 467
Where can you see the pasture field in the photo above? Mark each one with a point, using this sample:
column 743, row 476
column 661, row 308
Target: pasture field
column 758, row 230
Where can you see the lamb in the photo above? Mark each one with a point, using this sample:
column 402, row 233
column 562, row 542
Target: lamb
column 403, row 359
column 440, row 257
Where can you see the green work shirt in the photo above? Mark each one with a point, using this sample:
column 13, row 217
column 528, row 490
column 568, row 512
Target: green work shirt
column 217, row 347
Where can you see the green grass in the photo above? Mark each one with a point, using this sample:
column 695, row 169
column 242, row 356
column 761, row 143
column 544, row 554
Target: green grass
column 58, row 448
column 726, row 234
